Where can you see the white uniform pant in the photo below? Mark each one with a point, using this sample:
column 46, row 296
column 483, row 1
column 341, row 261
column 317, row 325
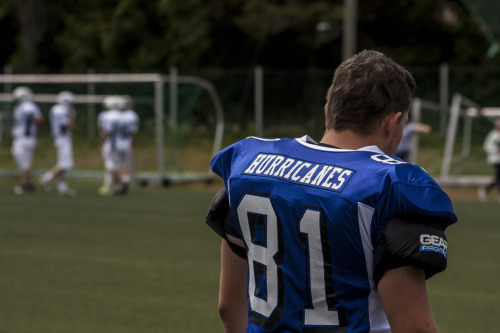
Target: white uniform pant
column 116, row 159
column 23, row 150
column 64, row 147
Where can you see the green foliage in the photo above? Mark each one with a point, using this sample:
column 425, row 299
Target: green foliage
column 136, row 35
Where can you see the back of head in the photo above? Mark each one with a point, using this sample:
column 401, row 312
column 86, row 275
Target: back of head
column 123, row 103
column 22, row 94
column 65, row 97
column 112, row 102
column 365, row 88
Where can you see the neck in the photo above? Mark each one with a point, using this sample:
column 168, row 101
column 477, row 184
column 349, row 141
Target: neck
column 347, row 139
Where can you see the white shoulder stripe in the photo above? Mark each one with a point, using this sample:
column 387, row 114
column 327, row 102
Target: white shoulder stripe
column 262, row 139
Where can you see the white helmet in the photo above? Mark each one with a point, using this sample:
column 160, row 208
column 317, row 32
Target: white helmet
column 22, row 94
column 124, row 102
column 106, row 102
column 65, row 97
column 111, row 102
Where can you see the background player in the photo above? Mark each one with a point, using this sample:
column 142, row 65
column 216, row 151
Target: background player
column 105, row 122
column 125, row 130
column 62, row 120
column 27, row 120
column 118, row 125
column 335, row 236
column 409, row 131
column 491, row 146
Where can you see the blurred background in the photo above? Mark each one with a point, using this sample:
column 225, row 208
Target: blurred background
column 202, row 74
column 268, row 64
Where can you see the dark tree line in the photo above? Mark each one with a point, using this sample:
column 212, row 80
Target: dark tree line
column 136, row 35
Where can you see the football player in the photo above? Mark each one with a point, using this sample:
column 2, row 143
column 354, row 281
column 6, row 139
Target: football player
column 336, row 235
column 126, row 127
column 27, row 120
column 106, row 122
column 62, row 120
column 491, row 147
column 118, row 126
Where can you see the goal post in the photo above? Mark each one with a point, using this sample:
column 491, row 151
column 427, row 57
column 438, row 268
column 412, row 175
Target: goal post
column 158, row 82
column 465, row 109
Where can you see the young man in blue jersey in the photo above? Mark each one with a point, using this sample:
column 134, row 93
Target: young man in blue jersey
column 336, row 236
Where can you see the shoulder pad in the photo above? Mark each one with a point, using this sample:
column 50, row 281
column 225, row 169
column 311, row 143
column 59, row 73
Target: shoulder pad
column 217, row 215
column 217, row 212
column 409, row 241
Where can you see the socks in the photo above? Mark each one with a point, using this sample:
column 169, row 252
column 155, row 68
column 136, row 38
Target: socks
column 108, row 180
column 62, row 187
column 48, row 176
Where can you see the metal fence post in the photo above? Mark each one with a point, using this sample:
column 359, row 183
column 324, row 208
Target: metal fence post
column 259, row 100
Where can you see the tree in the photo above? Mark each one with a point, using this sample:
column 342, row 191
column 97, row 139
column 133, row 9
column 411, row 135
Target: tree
column 31, row 17
column 417, row 32
column 134, row 35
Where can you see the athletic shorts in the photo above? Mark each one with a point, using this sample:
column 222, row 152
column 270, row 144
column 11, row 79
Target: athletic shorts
column 116, row 159
column 23, row 150
column 64, row 147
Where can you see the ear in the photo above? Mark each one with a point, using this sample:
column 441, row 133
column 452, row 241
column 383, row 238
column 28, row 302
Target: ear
column 391, row 120
column 326, row 109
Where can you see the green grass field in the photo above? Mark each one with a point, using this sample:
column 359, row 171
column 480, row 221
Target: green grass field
column 147, row 262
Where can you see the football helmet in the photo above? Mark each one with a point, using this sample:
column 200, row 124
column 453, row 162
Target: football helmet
column 124, row 102
column 65, row 97
column 22, row 94
column 111, row 102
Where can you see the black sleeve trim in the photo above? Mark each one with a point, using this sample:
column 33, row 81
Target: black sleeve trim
column 217, row 212
column 218, row 215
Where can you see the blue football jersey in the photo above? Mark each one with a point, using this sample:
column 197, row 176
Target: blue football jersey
column 309, row 217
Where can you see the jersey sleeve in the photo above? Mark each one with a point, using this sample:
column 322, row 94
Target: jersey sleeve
column 415, row 212
column 36, row 111
column 221, row 163
column 415, row 193
column 136, row 122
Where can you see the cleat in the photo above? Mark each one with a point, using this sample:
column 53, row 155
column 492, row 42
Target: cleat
column 104, row 191
column 122, row 190
column 22, row 189
column 19, row 190
column 28, row 187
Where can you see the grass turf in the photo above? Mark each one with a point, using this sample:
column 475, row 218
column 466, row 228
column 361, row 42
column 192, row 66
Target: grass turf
column 139, row 263
column 146, row 262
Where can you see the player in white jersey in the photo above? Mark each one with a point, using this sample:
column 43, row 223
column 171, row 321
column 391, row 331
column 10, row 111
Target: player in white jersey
column 336, row 236
column 27, row 120
column 118, row 126
column 126, row 127
column 62, row 120
column 104, row 125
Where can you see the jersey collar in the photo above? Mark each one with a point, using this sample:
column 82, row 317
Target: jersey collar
column 308, row 142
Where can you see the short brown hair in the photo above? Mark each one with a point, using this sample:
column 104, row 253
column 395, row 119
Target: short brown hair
column 365, row 88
